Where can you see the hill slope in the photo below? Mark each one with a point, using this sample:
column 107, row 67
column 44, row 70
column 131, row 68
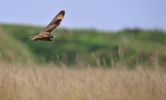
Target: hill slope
column 93, row 47
column 12, row 50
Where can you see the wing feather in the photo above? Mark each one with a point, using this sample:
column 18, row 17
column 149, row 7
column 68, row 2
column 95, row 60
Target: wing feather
column 55, row 22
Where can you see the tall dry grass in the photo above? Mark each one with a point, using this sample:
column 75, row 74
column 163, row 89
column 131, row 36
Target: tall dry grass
column 34, row 82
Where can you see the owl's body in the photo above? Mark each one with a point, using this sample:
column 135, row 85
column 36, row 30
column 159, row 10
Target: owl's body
column 46, row 33
column 46, row 36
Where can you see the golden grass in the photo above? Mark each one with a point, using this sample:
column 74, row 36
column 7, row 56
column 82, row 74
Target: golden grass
column 24, row 82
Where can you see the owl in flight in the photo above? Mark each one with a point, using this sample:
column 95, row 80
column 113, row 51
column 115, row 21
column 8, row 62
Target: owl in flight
column 46, row 34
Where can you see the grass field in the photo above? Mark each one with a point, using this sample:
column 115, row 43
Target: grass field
column 52, row 82
column 82, row 65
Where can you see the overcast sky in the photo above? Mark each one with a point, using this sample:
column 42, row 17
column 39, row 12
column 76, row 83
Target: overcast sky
column 98, row 14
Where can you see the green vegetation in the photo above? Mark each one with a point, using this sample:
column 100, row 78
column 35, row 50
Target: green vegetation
column 86, row 46
column 12, row 50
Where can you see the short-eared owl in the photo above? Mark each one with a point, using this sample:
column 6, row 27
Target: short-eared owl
column 46, row 34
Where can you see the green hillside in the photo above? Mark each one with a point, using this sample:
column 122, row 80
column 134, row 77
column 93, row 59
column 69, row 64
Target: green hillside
column 86, row 46
column 12, row 50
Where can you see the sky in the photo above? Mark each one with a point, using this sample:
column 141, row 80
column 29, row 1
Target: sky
column 92, row 14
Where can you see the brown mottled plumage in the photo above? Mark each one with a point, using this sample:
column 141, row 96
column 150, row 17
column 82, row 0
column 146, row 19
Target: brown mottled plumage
column 46, row 34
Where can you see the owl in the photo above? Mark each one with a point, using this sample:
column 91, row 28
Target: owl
column 46, row 33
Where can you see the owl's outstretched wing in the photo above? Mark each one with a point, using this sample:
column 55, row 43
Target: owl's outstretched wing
column 55, row 22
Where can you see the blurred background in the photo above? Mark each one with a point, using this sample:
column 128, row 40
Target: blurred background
column 103, row 32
